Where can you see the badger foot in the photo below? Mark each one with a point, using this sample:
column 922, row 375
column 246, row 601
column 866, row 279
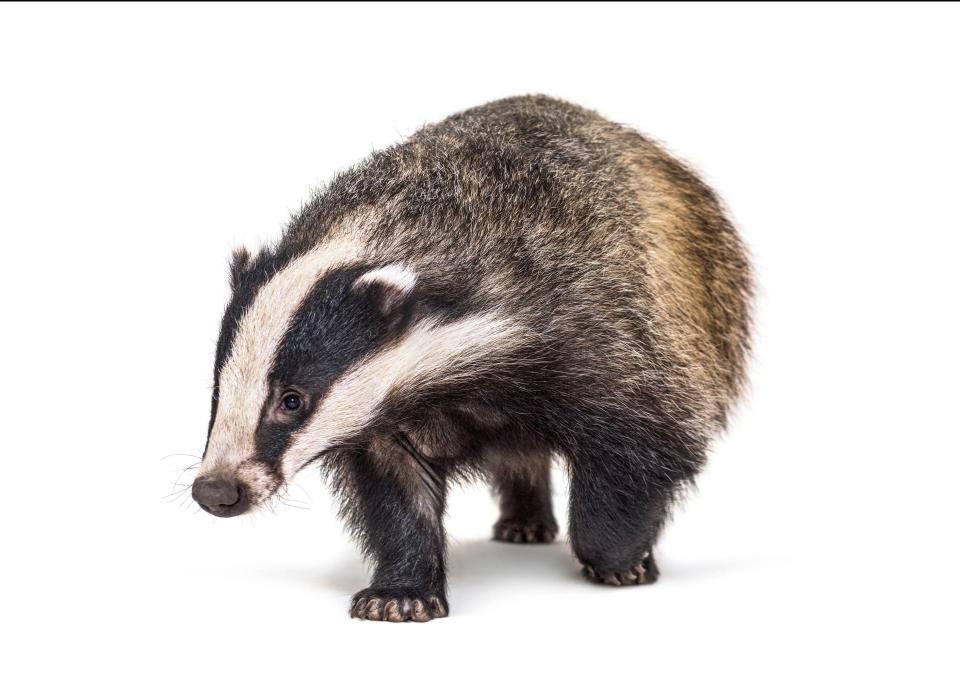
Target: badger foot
column 514, row 530
column 644, row 572
column 397, row 605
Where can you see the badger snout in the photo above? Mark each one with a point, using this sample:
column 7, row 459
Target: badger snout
column 221, row 496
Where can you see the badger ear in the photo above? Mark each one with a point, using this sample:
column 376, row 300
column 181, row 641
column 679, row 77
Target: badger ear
column 390, row 286
column 239, row 261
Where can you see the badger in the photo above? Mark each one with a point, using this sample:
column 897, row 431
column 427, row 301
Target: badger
column 522, row 282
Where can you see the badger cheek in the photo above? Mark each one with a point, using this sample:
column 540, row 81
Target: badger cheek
column 260, row 481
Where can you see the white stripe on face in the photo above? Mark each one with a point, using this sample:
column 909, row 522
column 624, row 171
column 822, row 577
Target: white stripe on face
column 244, row 383
column 429, row 350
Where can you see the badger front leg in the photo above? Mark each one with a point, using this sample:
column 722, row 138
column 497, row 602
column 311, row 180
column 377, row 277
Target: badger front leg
column 396, row 498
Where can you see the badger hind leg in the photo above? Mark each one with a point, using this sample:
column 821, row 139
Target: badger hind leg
column 521, row 482
column 620, row 498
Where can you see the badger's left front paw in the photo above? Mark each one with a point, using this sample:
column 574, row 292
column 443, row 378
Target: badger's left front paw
column 644, row 572
column 397, row 605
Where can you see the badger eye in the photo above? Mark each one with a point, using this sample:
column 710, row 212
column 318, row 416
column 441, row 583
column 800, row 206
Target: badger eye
column 291, row 401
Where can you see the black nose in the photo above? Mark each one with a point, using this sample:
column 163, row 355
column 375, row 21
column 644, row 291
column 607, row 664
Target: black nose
column 220, row 496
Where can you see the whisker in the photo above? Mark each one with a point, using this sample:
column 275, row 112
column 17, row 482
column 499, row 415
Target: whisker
column 287, row 498
column 303, row 490
column 182, row 473
column 180, row 454
column 173, row 495
column 293, row 506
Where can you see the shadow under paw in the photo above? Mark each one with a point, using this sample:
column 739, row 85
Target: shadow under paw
column 644, row 572
column 397, row 605
column 513, row 530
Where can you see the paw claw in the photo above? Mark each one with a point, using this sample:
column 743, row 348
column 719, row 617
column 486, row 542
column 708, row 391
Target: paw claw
column 419, row 611
column 397, row 606
column 391, row 611
column 374, row 609
column 643, row 573
column 359, row 607
column 438, row 608
column 512, row 530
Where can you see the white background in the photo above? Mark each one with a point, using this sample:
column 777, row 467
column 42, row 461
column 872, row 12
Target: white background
column 138, row 145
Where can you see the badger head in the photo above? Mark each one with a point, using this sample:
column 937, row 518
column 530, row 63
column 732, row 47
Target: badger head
column 310, row 351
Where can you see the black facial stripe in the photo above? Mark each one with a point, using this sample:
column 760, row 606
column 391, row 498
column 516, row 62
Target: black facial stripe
column 335, row 326
column 247, row 277
column 271, row 439
column 247, row 282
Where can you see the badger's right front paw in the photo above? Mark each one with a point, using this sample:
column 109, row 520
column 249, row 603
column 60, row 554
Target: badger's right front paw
column 397, row 605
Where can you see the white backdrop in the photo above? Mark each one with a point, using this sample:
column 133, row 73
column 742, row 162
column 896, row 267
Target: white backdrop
column 138, row 145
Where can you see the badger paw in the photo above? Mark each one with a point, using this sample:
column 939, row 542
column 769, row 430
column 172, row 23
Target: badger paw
column 397, row 605
column 644, row 572
column 513, row 530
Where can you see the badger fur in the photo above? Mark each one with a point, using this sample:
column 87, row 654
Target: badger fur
column 521, row 281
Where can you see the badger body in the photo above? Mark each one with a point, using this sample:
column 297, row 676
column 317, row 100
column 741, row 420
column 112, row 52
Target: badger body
column 520, row 282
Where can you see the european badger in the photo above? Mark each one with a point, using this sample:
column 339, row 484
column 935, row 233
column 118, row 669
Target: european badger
column 521, row 280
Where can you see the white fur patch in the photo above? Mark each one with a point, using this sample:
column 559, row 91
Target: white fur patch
column 243, row 378
column 399, row 276
column 430, row 351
